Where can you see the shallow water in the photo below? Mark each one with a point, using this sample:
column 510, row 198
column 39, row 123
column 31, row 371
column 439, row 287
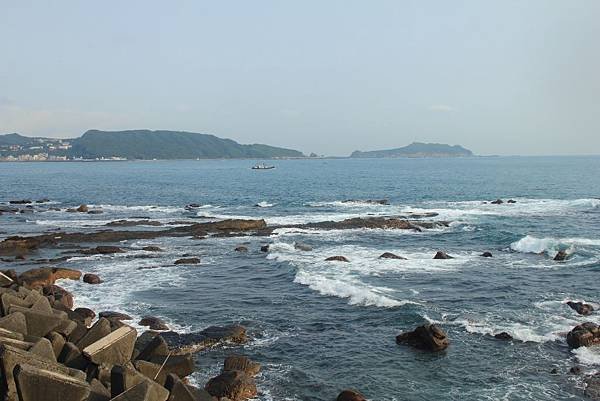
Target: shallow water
column 318, row 327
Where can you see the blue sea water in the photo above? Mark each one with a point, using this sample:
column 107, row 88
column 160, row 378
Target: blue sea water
column 318, row 327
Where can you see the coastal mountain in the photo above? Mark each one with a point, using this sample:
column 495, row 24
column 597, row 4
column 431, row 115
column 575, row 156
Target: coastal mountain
column 146, row 144
column 135, row 144
column 417, row 149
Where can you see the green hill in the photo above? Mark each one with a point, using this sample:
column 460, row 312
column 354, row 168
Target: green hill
column 417, row 149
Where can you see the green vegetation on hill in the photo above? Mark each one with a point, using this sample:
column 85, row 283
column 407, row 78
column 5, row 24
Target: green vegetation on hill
column 146, row 144
column 417, row 149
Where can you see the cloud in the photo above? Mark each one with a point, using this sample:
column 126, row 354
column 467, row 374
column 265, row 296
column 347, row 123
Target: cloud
column 442, row 108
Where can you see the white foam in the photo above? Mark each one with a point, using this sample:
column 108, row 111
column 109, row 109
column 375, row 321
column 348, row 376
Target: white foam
column 265, row 204
column 587, row 355
column 138, row 208
column 530, row 244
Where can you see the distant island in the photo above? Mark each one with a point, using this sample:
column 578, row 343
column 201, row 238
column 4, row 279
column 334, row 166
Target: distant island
column 134, row 145
column 417, row 149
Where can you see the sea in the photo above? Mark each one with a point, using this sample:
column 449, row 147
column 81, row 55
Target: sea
column 318, row 327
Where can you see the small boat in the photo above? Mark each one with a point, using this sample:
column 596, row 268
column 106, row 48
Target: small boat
column 262, row 166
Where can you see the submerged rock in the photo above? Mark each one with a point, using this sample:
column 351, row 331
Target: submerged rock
column 429, row 337
column 337, row 259
column 561, row 256
column 511, row 201
column 264, row 248
column 581, row 308
column 584, row 335
column 152, row 248
column 241, row 248
column 487, row 254
column 350, row 395
column 83, row 209
column 187, row 261
column 503, row 336
column 20, row 202
column 442, row 255
column 103, row 250
column 497, row 202
column 368, row 201
column 389, row 255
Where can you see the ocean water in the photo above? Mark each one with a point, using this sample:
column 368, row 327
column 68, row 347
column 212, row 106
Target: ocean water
column 318, row 327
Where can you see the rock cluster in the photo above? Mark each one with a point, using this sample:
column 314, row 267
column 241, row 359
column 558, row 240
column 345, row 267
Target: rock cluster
column 50, row 352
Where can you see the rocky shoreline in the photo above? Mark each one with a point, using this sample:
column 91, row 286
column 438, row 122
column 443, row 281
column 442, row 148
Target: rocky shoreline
column 80, row 354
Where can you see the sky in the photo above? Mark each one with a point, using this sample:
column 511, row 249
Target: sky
column 498, row 77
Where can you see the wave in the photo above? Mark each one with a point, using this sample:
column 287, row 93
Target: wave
column 587, row 355
column 264, row 204
column 531, row 244
column 138, row 208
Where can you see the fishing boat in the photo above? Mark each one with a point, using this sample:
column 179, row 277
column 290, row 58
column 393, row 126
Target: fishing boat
column 262, row 166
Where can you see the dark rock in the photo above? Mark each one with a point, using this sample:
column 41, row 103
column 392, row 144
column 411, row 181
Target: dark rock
column 562, row 255
column 554, row 371
column 429, row 337
column 103, row 250
column 337, row 259
column 43, row 200
column 82, row 209
column 187, row 261
column 503, row 336
column 20, row 202
column 59, row 294
column 153, row 323
column 581, row 308
column 442, row 255
column 376, row 222
column 264, row 248
column 132, row 223
column 182, row 392
column 350, row 395
column 192, row 206
column 497, row 202
column 234, row 384
column 584, row 335
column 194, row 342
column 85, row 313
column 576, row 370
column 487, row 254
column 115, row 315
column 389, row 255
column 91, row 278
column 95, row 211
column 368, row 201
column 511, row 201
column 241, row 248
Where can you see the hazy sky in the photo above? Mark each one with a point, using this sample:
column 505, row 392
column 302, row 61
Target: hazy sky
column 499, row 77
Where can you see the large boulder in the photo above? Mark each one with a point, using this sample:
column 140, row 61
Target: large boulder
column 233, row 384
column 429, row 337
column 581, row 308
column 243, row 363
column 41, row 277
column 350, row 395
column 59, row 295
column 584, row 335
column 153, row 323
column 91, row 278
